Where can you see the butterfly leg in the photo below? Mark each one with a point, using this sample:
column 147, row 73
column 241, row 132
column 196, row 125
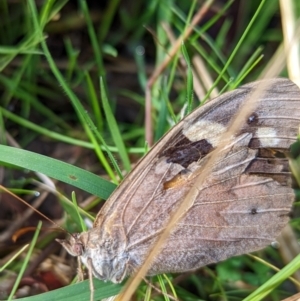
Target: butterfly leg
column 79, row 270
column 92, row 288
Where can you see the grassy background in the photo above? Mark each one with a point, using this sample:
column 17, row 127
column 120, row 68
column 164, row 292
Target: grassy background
column 73, row 81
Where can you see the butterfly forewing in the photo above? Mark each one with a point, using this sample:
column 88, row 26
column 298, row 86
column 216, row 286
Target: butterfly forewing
column 241, row 206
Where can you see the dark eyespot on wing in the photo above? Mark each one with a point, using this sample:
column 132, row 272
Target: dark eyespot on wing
column 253, row 211
column 185, row 152
column 252, row 119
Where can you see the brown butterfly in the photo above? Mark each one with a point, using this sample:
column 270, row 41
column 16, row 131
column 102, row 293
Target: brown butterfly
column 241, row 207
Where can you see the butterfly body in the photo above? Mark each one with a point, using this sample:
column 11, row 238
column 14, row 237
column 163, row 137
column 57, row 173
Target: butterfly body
column 241, row 207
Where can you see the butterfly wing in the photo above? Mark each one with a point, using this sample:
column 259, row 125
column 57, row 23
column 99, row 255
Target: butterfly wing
column 242, row 205
column 235, row 213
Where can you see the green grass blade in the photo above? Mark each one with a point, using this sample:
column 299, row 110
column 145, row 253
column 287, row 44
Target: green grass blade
column 78, row 292
column 276, row 280
column 26, row 261
column 94, row 41
column 56, row 169
column 83, row 116
column 30, row 125
column 114, row 129
column 162, row 116
column 95, row 103
column 10, row 260
column 83, row 226
column 237, row 47
column 189, row 84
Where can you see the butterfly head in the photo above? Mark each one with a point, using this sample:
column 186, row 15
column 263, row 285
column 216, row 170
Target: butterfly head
column 105, row 259
column 74, row 245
